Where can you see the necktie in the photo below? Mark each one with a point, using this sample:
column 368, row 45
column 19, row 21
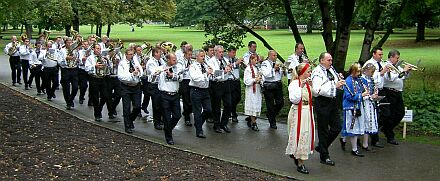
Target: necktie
column 380, row 66
column 330, row 75
column 222, row 67
column 203, row 68
column 158, row 61
column 38, row 53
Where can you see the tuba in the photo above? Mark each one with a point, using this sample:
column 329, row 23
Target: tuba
column 102, row 71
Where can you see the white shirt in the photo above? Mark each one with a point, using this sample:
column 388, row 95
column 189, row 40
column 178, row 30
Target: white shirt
column 153, row 65
column 378, row 79
column 246, row 57
column 102, row 45
column 169, row 84
column 183, row 64
column 294, row 61
column 25, row 52
column 62, row 55
column 198, row 79
column 9, row 45
column 179, row 54
column 235, row 68
column 322, row 85
column 45, row 59
column 91, row 62
column 81, row 55
column 214, row 63
column 269, row 73
column 392, row 79
column 35, row 60
column 124, row 74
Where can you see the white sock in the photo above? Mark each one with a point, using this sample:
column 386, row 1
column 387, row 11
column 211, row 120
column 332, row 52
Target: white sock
column 365, row 141
column 353, row 141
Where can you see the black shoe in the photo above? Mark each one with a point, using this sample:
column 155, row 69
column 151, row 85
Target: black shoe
column 378, row 145
column 140, row 115
column 89, row 104
column 357, row 153
column 234, row 120
column 30, row 87
column 393, row 142
column 44, row 92
column 49, row 99
column 98, row 119
column 131, row 126
column 217, row 129
column 81, row 101
column 318, row 149
column 255, row 127
column 366, row 148
column 302, row 169
column 188, row 123
column 158, row 127
column 273, row 126
column 69, row 107
column 115, row 113
column 248, row 121
column 328, row 162
column 342, row 143
column 111, row 116
column 13, row 84
column 170, row 141
column 128, row 130
column 226, row 129
column 200, row 135
column 54, row 96
column 26, row 88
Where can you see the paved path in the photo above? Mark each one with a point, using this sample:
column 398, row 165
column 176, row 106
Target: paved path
column 265, row 149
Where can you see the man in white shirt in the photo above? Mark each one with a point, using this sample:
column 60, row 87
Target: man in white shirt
column 179, row 52
column 129, row 72
column 273, row 87
column 199, row 90
column 36, row 68
column 12, row 49
column 184, row 64
column 68, row 61
column 295, row 59
column 143, row 60
column 50, row 70
column 153, row 68
column 169, row 91
column 392, row 114
column 325, row 81
column 252, row 46
column 234, row 81
column 25, row 56
column 209, row 50
column 82, row 74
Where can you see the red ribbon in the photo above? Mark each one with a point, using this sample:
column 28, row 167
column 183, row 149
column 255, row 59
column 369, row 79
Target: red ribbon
column 254, row 85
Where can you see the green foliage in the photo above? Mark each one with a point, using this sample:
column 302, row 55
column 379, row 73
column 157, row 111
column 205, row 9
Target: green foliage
column 426, row 107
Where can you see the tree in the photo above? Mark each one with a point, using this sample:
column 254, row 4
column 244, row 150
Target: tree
column 376, row 7
column 421, row 13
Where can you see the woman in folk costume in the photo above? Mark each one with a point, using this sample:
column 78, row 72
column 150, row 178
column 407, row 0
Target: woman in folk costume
column 301, row 128
column 369, row 106
column 252, row 102
column 353, row 125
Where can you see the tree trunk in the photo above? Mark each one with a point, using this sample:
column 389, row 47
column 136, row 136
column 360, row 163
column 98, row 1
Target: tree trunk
column 39, row 30
column 292, row 22
column 327, row 24
column 97, row 29
column 100, row 29
column 108, row 30
column 22, row 27
column 369, row 31
column 5, row 27
column 49, row 24
column 310, row 24
column 28, row 28
column 75, row 21
column 421, row 24
column 392, row 24
column 344, row 17
column 68, row 27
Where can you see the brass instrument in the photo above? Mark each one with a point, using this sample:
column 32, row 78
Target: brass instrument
column 74, row 62
column 393, row 68
column 413, row 67
column 13, row 49
column 23, row 37
column 170, row 47
column 46, row 34
column 102, row 71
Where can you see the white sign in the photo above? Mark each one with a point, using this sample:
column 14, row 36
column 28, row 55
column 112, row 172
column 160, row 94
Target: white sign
column 408, row 116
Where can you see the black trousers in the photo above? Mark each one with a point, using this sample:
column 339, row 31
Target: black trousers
column 15, row 65
column 146, row 100
column 171, row 113
column 235, row 96
column 220, row 91
column 51, row 77
column 392, row 114
column 274, row 102
column 37, row 72
column 100, row 95
column 69, row 81
column 25, row 71
column 200, row 99
column 184, row 90
column 156, row 99
column 131, row 96
column 82, row 83
column 114, row 88
column 328, row 121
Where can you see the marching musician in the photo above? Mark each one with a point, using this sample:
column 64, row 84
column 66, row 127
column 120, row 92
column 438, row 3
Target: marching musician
column 209, row 49
column 50, row 69
column 325, row 81
column 152, row 71
column 25, row 56
column 68, row 61
column 234, row 81
column 168, row 85
column 273, row 88
column 97, row 67
column 184, row 64
column 12, row 49
column 252, row 46
column 142, row 60
column 104, row 43
column 114, row 85
column 179, row 52
column 199, row 91
column 82, row 73
column 58, row 43
column 295, row 59
column 36, row 68
column 392, row 114
column 220, row 90
column 129, row 72
column 378, row 79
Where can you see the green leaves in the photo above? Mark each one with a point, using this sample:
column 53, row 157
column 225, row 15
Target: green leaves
column 426, row 107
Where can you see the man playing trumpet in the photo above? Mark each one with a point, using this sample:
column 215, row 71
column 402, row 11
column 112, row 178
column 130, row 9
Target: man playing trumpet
column 69, row 73
column 12, row 49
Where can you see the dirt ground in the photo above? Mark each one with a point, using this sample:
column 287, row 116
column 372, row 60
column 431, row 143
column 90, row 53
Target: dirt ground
column 39, row 142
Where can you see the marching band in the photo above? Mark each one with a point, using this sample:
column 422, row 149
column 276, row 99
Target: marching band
column 209, row 84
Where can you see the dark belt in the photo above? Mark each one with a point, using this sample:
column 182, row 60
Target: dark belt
column 391, row 89
column 130, row 85
column 198, row 88
column 326, row 98
column 169, row 93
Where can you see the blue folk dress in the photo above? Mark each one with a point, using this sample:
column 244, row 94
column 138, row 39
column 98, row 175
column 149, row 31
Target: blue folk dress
column 353, row 124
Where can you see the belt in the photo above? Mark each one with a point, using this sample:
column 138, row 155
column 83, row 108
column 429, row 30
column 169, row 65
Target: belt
column 198, row 88
column 391, row 89
column 169, row 93
column 219, row 82
column 323, row 97
column 130, row 85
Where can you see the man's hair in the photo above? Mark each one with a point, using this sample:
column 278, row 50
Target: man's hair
column 376, row 48
column 183, row 43
column 207, row 47
column 232, row 49
column 155, row 50
column 251, row 43
column 393, row 53
column 218, row 47
column 297, row 44
column 187, row 48
column 321, row 56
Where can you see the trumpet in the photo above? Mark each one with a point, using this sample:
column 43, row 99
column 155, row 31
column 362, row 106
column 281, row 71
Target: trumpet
column 413, row 67
column 393, row 68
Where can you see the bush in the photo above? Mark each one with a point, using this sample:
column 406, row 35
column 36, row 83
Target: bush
column 426, row 110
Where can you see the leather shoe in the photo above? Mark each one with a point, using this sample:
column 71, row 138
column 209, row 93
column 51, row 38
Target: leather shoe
column 248, row 121
column 255, row 127
column 81, row 101
column 170, row 142
column 378, row 145
column 393, row 142
column 129, row 130
column 273, row 126
column 218, row 130
column 201, row 135
column 188, row 123
column 158, row 126
column 366, row 148
column 357, row 153
column 98, row 119
column 341, row 140
column 328, row 162
column 234, row 120
column 111, row 116
column 302, row 169
column 226, row 129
